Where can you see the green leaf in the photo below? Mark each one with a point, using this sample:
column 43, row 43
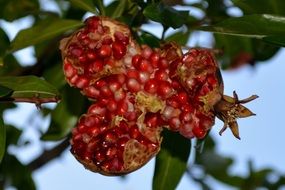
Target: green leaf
column 179, row 37
column 15, row 9
column 276, row 40
column 166, row 15
column 32, row 88
column 62, row 122
column 262, row 7
column 149, row 39
column 120, row 9
column 245, row 50
column 65, row 115
column 171, row 162
column 100, row 5
column 4, row 42
column 42, row 32
column 2, row 139
column 86, row 5
column 17, row 174
column 54, row 76
column 257, row 26
column 13, row 135
column 4, row 91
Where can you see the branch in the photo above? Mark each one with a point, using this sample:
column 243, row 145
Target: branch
column 48, row 155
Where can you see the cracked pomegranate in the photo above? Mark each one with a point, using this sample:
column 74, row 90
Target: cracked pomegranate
column 138, row 91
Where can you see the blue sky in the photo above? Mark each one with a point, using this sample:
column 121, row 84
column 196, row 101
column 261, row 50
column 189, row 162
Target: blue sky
column 261, row 136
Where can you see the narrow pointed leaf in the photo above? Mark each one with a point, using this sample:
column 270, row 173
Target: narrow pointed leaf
column 257, row 26
column 42, row 32
column 4, row 91
column 263, row 6
column 100, row 5
column 166, row 15
column 120, row 9
column 171, row 162
column 30, row 88
column 2, row 139
column 179, row 37
column 86, row 5
column 276, row 40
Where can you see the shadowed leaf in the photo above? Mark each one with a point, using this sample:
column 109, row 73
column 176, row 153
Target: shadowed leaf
column 257, row 26
column 166, row 15
column 2, row 139
column 29, row 87
column 42, row 32
column 171, row 162
column 86, row 5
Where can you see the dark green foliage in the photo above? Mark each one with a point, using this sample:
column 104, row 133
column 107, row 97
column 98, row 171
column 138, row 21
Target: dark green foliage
column 171, row 162
column 257, row 36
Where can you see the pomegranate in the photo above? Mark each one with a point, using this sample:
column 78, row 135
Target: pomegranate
column 137, row 91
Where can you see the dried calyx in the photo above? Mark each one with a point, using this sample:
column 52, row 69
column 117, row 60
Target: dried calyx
column 138, row 91
column 229, row 109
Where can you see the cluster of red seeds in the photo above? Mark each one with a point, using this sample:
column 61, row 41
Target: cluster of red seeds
column 136, row 91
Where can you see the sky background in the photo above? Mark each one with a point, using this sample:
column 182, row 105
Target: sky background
column 262, row 136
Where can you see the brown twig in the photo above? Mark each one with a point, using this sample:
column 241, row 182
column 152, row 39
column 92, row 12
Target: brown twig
column 48, row 155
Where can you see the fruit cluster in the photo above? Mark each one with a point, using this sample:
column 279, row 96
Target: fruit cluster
column 137, row 91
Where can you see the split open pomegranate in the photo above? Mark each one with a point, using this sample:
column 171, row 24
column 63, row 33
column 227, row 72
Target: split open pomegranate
column 136, row 92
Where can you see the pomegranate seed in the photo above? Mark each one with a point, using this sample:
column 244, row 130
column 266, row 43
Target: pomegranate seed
column 82, row 59
column 151, row 86
column 92, row 22
column 163, row 63
column 146, row 52
column 134, row 132
column 136, row 60
column 164, row 89
column 174, row 123
column 114, row 86
column 82, row 82
column 112, row 105
column 182, row 97
column 161, row 74
column 122, row 107
column 119, row 95
column 105, row 91
column 69, row 70
column 91, row 55
column 154, row 58
column 95, row 67
column 133, row 85
column 133, row 74
column 105, row 51
column 119, row 36
column 143, row 77
column 97, row 109
column 76, row 51
column 152, row 120
column 144, row 65
column 107, row 40
column 198, row 132
column 119, row 49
